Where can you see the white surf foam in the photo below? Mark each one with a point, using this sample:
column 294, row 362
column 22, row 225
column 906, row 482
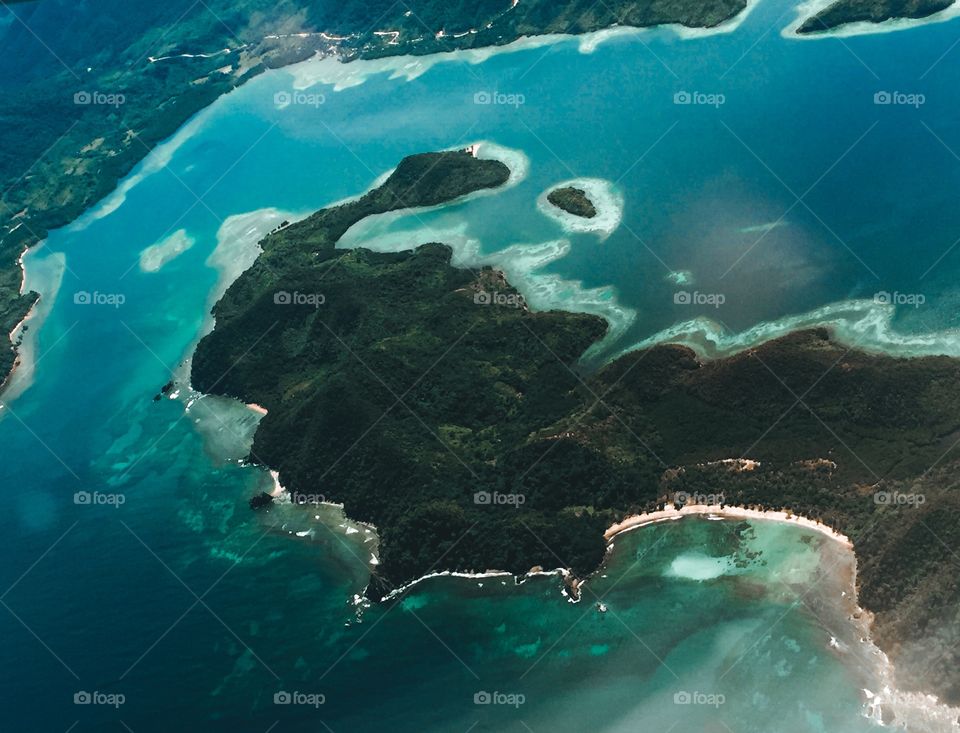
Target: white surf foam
column 860, row 324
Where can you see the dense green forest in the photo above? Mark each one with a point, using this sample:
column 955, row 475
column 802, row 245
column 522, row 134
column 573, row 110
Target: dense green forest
column 573, row 201
column 433, row 403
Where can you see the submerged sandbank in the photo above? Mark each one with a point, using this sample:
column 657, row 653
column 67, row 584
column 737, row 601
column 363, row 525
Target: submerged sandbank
column 154, row 257
column 226, row 425
column 522, row 263
column 156, row 160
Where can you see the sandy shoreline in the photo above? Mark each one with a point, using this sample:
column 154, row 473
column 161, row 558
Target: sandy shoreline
column 331, row 70
column 17, row 329
column 922, row 712
column 671, row 513
column 862, row 324
column 45, row 277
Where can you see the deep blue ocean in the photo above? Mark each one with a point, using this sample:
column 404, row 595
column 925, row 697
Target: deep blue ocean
column 803, row 181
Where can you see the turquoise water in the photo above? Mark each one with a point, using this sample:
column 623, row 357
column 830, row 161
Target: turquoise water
column 105, row 597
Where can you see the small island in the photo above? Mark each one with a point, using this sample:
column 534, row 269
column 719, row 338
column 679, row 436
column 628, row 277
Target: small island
column 584, row 206
column 573, row 201
column 844, row 12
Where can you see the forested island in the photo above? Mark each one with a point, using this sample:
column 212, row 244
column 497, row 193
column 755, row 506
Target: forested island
column 433, row 403
column 843, row 12
column 573, row 201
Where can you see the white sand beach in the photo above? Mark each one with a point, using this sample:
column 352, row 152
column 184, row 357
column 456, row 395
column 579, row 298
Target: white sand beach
column 45, row 277
column 671, row 513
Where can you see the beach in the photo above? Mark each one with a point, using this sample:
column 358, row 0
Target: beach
column 43, row 275
column 716, row 511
